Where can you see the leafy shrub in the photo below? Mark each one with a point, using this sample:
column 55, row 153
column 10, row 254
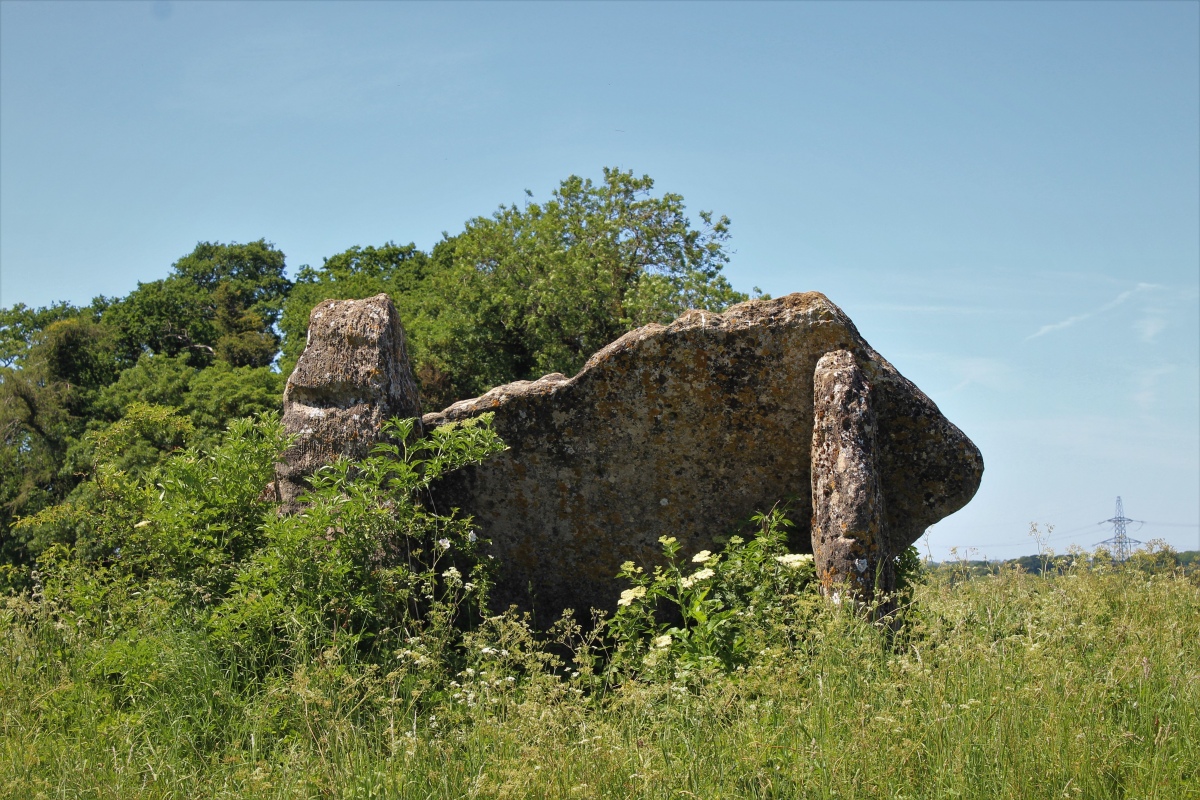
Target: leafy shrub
column 364, row 574
column 732, row 605
column 366, row 566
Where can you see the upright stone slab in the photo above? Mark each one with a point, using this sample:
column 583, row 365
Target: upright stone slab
column 352, row 377
column 847, row 496
column 687, row 430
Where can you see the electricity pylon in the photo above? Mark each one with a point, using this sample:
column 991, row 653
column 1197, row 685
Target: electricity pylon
column 1119, row 543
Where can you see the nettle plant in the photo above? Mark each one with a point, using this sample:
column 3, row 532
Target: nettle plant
column 712, row 610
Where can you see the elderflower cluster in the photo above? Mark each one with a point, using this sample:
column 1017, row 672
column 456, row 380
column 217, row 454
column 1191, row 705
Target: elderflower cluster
column 695, row 577
column 701, row 557
column 794, row 560
column 629, row 595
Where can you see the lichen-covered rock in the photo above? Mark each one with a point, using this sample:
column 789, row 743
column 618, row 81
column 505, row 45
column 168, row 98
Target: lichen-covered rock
column 847, row 499
column 687, row 430
column 352, row 377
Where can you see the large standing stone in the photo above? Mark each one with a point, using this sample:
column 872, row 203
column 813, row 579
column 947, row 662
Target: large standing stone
column 848, row 513
column 690, row 428
column 352, row 377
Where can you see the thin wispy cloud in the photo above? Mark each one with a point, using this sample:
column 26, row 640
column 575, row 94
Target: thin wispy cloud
column 1109, row 306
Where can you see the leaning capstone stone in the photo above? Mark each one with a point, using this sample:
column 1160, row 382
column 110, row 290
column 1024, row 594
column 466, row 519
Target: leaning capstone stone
column 687, row 430
column 847, row 498
column 352, row 377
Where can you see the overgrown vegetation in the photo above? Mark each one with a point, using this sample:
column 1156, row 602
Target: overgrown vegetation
column 192, row 643
column 164, row 632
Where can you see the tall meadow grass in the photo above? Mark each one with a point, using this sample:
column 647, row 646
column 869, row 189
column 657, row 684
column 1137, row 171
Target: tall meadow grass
column 1009, row 686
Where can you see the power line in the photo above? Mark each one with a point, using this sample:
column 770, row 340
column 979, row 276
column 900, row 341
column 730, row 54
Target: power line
column 1119, row 540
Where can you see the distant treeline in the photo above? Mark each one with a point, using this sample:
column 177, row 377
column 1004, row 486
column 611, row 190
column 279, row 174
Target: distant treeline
column 1156, row 556
column 530, row 289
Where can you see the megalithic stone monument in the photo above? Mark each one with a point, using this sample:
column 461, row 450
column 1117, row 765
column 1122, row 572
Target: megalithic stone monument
column 352, row 377
column 684, row 430
column 847, row 496
column 687, row 430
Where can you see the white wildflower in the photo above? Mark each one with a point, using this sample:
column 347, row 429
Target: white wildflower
column 701, row 557
column 444, row 544
column 794, row 560
column 696, row 577
column 471, row 537
column 663, row 642
column 452, row 575
column 629, row 595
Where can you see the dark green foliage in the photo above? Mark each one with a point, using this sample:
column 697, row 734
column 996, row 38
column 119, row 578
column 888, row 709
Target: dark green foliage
column 157, row 380
column 21, row 326
column 252, row 272
column 224, row 392
column 34, row 439
column 168, row 317
column 221, row 301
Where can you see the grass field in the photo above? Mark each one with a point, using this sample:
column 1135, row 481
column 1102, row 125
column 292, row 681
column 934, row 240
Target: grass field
column 1008, row 686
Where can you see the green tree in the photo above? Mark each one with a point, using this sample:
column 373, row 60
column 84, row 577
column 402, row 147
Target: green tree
column 540, row 287
column 34, row 436
column 20, row 327
column 221, row 301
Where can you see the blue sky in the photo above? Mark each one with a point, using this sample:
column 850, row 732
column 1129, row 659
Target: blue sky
column 1004, row 197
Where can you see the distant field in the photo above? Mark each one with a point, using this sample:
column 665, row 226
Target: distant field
column 1012, row 685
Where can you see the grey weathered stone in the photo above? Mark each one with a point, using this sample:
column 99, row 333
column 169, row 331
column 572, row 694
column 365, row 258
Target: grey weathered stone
column 352, row 377
column 686, row 430
column 847, row 498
